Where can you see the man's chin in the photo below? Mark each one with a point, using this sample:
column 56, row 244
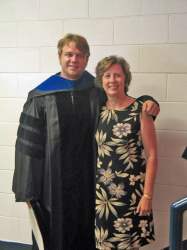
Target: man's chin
column 71, row 75
column 75, row 75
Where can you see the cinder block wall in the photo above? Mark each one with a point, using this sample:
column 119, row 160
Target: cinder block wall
column 151, row 35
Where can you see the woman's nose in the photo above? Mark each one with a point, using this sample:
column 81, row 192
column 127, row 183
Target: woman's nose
column 112, row 78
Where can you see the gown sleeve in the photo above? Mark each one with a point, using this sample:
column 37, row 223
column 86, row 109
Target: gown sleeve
column 29, row 151
column 145, row 98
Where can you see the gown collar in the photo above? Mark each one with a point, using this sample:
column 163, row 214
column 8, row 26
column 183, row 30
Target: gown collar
column 58, row 83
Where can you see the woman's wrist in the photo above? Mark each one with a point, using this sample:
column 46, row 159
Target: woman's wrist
column 147, row 196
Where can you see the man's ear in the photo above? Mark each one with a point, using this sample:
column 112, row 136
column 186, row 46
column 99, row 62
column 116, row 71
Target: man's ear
column 59, row 59
column 87, row 58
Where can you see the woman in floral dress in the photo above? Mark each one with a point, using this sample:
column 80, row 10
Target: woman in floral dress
column 126, row 163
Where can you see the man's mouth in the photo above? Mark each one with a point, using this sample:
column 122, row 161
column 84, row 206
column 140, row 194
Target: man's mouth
column 72, row 66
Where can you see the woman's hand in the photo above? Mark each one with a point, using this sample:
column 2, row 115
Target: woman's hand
column 144, row 206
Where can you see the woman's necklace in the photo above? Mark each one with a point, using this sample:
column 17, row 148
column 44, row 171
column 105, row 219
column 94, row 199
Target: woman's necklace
column 119, row 105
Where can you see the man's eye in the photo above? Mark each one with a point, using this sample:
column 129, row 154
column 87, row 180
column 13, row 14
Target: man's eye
column 68, row 54
column 71, row 55
column 80, row 55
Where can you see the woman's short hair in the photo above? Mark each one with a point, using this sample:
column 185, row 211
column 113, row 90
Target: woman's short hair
column 104, row 64
column 80, row 41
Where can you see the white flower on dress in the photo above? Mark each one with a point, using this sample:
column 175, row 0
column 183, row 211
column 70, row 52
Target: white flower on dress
column 107, row 115
column 121, row 129
column 103, row 145
column 128, row 152
column 99, row 163
column 132, row 179
column 123, row 224
column 143, row 224
column 104, row 205
column 117, row 190
column 145, row 233
column 106, row 176
column 102, row 242
column 141, row 177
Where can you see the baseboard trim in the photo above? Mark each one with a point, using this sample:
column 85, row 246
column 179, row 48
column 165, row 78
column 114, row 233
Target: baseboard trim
column 4, row 245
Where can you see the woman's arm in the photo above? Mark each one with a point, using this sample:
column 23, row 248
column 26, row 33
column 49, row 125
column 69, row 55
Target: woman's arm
column 149, row 141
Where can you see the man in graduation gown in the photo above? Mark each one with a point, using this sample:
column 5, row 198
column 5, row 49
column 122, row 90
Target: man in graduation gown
column 55, row 154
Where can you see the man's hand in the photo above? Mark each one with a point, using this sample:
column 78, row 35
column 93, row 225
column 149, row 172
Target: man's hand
column 151, row 108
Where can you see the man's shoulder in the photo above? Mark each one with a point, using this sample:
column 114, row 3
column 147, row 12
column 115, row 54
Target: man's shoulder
column 98, row 92
column 55, row 83
column 88, row 75
column 42, row 88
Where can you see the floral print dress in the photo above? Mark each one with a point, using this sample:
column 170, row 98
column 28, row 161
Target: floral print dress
column 120, row 179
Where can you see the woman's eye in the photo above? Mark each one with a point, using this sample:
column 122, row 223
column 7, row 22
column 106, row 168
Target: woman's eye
column 116, row 75
column 107, row 76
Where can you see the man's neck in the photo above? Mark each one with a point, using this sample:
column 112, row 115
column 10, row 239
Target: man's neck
column 68, row 77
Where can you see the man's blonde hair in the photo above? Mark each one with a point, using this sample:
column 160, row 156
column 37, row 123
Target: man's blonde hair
column 80, row 41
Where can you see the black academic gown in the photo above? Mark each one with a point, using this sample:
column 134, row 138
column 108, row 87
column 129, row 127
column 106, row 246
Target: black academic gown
column 55, row 160
column 54, row 165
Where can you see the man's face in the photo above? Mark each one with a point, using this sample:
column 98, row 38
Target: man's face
column 73, row 62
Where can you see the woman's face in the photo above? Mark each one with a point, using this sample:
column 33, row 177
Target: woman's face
column 113, row 81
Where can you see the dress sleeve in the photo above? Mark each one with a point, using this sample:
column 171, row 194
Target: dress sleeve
column 30, row 151
column 144, row 98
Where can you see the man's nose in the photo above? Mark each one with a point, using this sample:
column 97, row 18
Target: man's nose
column 74, row 57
